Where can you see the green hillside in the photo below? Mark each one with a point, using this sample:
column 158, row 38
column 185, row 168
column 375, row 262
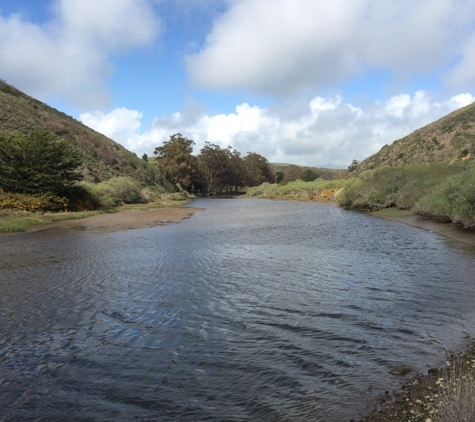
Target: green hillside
column 102, row 158
column 448, row 140
column 323, row 173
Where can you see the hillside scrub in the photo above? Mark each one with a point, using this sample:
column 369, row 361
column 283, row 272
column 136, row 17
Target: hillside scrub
column 102, row 158
column 452, row 200
column 395, row 186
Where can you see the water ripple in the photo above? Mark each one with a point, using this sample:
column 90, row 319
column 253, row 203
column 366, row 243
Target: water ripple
column 252, row 310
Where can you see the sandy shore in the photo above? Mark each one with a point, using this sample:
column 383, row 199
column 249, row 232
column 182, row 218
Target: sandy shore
column 124, row 220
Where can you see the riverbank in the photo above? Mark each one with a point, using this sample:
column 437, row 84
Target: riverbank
column 444, row 394
column 124, row 218
column 450, row 230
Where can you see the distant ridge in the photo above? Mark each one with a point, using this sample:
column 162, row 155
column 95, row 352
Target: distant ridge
column 447, row 140
column 103, row 157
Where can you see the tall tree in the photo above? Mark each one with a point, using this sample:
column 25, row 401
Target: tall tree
column 37, row 163
column 214, row 164
column 258, row 169
column 175, row 156
column 309, row 175
column 293, row 172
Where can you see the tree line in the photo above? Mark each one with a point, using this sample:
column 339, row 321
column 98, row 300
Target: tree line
column 214, row 170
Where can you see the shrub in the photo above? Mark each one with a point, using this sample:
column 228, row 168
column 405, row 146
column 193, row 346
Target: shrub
column 456, row 392
column 400, row 186
column 453, row 200
column 113, row 192
column 33, row 203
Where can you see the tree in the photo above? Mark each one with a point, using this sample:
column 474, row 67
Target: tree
column 309, row 175
column 175, row 156
column 293, row 172
column 215, row 167
column 353, row 166
column 258, row 169
column 37, row 163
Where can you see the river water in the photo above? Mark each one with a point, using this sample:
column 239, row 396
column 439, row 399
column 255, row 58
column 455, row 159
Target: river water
column 252, row 310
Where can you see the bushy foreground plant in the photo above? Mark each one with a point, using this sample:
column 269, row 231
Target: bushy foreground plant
column 114, row 192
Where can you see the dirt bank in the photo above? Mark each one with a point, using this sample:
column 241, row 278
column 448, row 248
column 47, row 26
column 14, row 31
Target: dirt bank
column 447, row 229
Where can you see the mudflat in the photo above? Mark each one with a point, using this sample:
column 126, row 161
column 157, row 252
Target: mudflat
column 125, row 220
column 447, row 229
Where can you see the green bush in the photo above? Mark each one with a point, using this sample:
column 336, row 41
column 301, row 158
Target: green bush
column 114, row 192
column 453, row 200
column 395, row 186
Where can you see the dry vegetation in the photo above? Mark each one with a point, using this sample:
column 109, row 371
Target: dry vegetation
column 450, row 139
column 443, row 395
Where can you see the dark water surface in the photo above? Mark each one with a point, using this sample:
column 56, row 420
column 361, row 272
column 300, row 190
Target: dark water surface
column 251, row 310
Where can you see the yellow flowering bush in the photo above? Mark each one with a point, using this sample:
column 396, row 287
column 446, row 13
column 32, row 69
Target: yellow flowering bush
column 33, row 203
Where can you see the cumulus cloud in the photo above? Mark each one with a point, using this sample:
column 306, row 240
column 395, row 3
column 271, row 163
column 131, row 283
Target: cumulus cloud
column 281, row 47
column 70, row 55
column 121, row 125
column 326, row 132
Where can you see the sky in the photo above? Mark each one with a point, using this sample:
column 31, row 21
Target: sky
column 307, row 82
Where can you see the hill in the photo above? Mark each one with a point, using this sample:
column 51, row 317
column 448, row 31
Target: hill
column 323, row 173
column 448, row 140
column 103, row 158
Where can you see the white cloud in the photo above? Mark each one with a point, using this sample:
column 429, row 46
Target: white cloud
column 281, row 46
column 120, row 124
column 70, row 55
column 326, row 132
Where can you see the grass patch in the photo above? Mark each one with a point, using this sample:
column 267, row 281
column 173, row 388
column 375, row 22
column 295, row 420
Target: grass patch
column 19, row 221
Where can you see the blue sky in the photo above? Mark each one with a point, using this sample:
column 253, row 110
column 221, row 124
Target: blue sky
column 308, row 82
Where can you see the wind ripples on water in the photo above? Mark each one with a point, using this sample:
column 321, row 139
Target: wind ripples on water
column 251, row 310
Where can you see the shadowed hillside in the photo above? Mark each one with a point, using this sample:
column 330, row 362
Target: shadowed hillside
column 449, row 140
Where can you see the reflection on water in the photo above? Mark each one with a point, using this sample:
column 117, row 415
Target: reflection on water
column 252, row 310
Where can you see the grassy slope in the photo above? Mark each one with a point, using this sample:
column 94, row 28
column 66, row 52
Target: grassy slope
column 103, row 158
column 324, row 173
column 450, row 139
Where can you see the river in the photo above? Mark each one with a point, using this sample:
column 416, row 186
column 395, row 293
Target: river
column 252, row 310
